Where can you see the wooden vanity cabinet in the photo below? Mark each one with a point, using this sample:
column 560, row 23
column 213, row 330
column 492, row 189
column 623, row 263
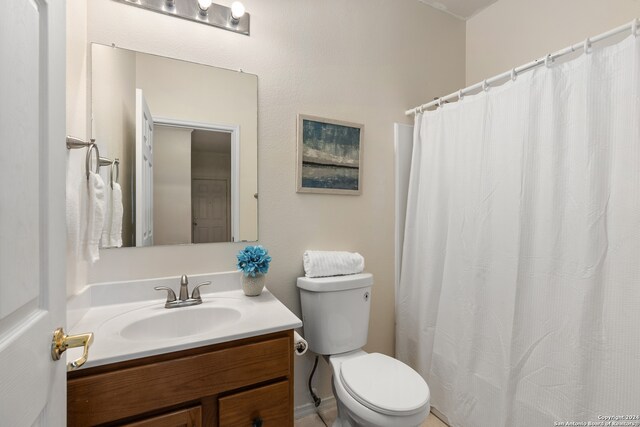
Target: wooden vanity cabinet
column 183, row 418
column 247, row 382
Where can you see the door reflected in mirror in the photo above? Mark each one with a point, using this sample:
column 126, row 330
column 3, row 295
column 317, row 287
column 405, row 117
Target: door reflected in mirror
column 192, row 169
column 186, row 138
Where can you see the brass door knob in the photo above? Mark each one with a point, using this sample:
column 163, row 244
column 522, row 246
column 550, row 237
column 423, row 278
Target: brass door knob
column 61, row 342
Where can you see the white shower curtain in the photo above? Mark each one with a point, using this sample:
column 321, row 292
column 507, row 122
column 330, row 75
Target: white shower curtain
column 519, row 299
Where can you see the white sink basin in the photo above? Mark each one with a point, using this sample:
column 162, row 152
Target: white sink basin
column 156, row 323
column 180, row 322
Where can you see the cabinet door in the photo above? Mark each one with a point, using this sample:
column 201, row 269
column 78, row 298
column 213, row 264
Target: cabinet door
column 191, row 417
column 267, row 406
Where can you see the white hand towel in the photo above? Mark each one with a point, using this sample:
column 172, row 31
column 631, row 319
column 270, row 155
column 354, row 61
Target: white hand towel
column 105, row 239
column 95, row 216
column 115, row 234
column 332, row 263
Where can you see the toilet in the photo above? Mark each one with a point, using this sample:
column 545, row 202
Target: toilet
column 371, row 389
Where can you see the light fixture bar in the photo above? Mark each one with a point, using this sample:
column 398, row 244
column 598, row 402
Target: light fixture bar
column 216, row 15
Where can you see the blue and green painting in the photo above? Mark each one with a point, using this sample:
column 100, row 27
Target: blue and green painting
column 330, row 156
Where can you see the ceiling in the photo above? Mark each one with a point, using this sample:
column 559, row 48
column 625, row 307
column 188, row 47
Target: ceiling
column 462, row 9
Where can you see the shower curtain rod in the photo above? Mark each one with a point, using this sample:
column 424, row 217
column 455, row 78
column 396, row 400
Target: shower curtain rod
column 513, row 73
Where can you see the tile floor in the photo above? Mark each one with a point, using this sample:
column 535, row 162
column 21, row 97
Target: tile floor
column 329, row 414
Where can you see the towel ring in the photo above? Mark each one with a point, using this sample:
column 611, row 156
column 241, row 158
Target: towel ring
column 115, row 164
column 92, row 146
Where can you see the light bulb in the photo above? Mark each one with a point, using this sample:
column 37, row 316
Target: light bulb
column 204, row 5
column 237, row 10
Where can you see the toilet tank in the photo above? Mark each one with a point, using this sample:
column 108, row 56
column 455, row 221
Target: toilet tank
column 335, row 312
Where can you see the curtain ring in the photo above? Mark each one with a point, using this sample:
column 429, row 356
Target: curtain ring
column 634, row 28
column 548, row 60
column 460, row 95
column 513, row 74
column 439, row 102
column 485, row 86
column 587, row 45
column 420, row 110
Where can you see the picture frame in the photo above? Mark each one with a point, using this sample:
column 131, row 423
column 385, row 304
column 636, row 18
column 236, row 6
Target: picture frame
column 330, row 156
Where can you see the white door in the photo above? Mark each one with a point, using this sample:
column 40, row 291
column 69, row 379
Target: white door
column 32, row 211
column 144, row 172
column 210, row 210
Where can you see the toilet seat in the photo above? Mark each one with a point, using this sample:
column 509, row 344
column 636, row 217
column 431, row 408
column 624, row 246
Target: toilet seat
column 384, row 384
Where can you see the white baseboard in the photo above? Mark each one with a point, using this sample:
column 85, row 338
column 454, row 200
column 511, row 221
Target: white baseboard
column 440, row 415
column 308, row 408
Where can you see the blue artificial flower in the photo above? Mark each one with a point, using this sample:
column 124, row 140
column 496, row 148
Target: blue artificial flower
column 253, row 260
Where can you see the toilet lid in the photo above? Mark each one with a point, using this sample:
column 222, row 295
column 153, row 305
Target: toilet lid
column 384, row 384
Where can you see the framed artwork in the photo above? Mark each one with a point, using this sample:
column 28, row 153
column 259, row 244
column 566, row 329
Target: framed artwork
column 329, row 156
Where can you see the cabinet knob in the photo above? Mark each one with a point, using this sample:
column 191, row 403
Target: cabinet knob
column 257, row 422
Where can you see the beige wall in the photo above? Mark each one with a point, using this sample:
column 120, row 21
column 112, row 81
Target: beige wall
column 77, row 125
column 360, row 61
column 187, row 91
column 512, row 32
column 113, row 100
column 171, row 185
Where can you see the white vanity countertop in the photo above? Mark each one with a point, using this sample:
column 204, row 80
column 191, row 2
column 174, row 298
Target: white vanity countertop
column 224, row 315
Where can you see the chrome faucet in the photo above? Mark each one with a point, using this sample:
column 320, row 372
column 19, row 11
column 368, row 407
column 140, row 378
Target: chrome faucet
column 184, row 288
column 184, row 301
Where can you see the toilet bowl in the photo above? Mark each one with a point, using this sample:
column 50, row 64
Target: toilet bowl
column 374, row 390
column 371, row 389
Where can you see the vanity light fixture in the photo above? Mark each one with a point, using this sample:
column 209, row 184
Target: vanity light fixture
column 237, row 11
column 204, row 6
column 232, row 18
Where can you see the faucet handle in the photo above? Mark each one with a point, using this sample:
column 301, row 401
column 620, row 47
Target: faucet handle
column 196, row 291
column 171, row 296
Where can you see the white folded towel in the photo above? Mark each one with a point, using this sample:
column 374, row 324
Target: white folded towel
column 332, row 263
column 116, row 216
column 112, row 228
column 95, row 216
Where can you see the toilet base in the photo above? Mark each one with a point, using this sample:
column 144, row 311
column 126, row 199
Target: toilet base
column 341, row 419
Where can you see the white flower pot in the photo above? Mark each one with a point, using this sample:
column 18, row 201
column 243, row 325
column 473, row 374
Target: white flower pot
column 253, row 286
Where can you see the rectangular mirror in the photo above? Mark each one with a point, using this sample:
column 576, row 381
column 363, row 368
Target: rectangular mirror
column 185, row 136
